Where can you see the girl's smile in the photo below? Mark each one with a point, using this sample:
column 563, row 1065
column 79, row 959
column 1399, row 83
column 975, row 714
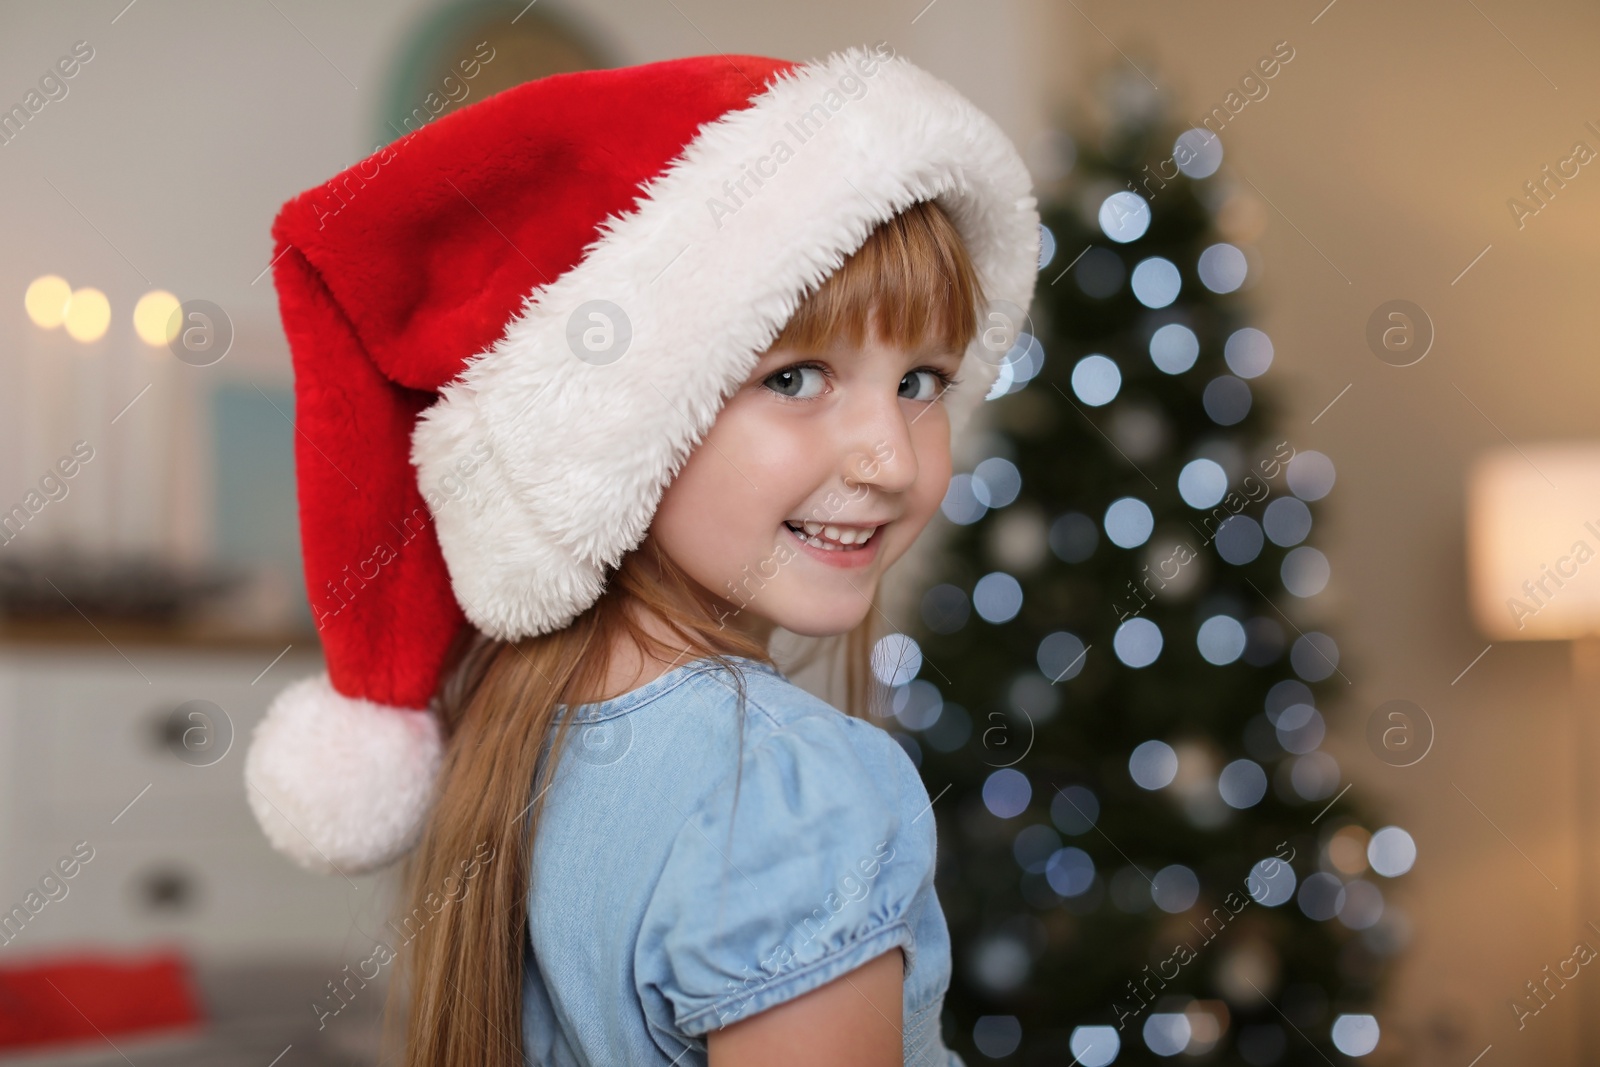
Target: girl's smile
column 838, row 545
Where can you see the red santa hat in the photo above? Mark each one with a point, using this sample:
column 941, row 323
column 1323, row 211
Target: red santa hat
column 509, row 329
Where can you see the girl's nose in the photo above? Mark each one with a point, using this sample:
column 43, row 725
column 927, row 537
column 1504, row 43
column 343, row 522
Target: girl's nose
column 880, row 453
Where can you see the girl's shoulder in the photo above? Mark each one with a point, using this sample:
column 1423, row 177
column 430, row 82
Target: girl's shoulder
column 779, row 714
column 812, row 855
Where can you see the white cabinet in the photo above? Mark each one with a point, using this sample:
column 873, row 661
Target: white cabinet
column 140, row 754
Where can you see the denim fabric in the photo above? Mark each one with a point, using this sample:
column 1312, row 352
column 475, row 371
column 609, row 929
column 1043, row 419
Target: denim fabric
column 694, row 866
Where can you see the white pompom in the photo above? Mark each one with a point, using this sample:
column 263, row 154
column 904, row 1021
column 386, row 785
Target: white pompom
column 341, row 784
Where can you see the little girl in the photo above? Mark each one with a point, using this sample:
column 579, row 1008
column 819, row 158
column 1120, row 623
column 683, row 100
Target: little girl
column 563, row 473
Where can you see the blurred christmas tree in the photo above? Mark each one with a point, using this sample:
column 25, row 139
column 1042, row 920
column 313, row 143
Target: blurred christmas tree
column 1143, row 848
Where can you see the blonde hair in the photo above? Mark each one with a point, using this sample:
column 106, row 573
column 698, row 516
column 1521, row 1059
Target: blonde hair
column 459, row 977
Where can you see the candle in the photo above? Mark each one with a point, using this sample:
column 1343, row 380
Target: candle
column 145, row 431
column 46, row 368
column 141, row 437
column 88, row 524
column 38, row 406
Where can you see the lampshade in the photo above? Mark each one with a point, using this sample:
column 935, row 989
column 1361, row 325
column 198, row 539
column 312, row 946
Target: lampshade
column 1533, row 541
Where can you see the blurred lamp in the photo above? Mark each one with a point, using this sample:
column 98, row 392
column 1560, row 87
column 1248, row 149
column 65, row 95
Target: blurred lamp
column 1533, row 542
column 1533, row 557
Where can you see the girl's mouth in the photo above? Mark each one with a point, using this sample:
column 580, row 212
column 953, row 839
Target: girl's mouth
column 833, row 538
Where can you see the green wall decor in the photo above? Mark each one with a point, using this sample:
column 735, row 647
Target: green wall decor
column 463, row 52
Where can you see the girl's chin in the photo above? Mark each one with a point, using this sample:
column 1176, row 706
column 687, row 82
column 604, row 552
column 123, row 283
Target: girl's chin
column 835, row 616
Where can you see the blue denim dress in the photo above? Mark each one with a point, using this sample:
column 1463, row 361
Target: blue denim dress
column 676, row 887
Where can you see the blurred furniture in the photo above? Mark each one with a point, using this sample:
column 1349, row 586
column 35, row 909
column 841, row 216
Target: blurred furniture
column 1533, row 556
column 57, row 585
column 136, row 746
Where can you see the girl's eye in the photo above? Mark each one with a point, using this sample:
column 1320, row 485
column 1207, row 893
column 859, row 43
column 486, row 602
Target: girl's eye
column 934, row 383
column 805, row 381
column 790, row 382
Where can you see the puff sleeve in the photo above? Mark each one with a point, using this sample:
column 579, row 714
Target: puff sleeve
column 825, row 865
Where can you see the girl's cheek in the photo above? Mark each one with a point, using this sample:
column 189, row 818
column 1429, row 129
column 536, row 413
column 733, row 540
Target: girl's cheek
column 933, row 476
column 933, row 452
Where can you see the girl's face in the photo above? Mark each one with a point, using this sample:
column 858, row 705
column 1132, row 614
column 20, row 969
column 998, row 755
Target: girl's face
column 852, row 441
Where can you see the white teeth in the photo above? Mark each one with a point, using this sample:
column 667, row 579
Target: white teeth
column 837, row 537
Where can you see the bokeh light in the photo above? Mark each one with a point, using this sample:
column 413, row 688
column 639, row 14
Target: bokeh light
column 1070, row 871
column 1006, row 792
column 945, row 608
column 1355, row 1035
column 1285, row 694
column 1314, row 656
column 1222, row 268
column 1094, row 1046
column 997, row 597
column 1202, row 483
column 1197, row 152
column 46, row 300
column 1129, row 522
column 896, row 659
column 153, row 318
column 1321, row 896
column 1347, row 850
column 1174, row 348
column 1156, row 282
column 1271, row 882
column 1073, row 537
column 1166, row 1033
column 917, row 704
column 996, row 482
column 88, row 314
column 1075, row 810
column 1310, row 475
column 1314, row 775
column 1153, row 765
column 1363, row 905
column 1248, row 352
column 1176, row 888
column 1096, row 380
column 1391, row 852
column 1137, row 642
column 1305, row 571
column 961, row 503
column 1061, row 656
column 1299, row 732
column 1287, row 521
column 1124, row 216
column 1226, row 400
column 997, row 1036
column 1033, row 846
column 1220, row 640
column 1242, row 784
column 1238, row 539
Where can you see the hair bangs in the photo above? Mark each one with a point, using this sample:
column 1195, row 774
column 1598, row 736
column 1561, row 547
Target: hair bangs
column 912, row 282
